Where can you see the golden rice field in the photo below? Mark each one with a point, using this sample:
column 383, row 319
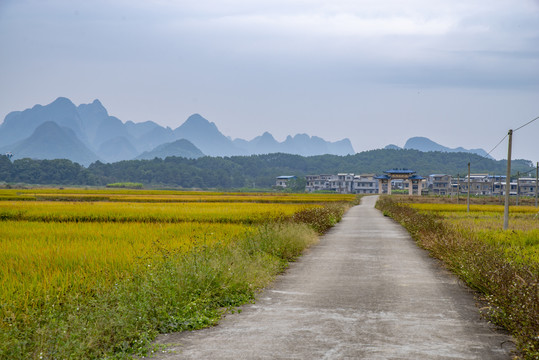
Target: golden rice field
column 486, row 222
column 48, row 258
column 502, row 266
column 123, row 195
column 63, row 251
column 101, row 211
column 51, row 246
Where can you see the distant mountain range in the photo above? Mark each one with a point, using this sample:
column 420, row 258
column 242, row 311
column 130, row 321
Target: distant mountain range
column 87, row 133
column 424, row 144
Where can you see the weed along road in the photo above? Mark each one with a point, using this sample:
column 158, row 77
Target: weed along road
column 365, row 292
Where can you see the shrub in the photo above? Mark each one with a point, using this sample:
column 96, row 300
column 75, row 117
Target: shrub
column 321, row 219
column 509, row 286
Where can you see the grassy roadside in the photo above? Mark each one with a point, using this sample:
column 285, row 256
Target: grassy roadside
column 173, row 291
column 507, row 283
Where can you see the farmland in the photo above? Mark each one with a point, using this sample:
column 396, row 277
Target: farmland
column 98, row 273
column 503, row 266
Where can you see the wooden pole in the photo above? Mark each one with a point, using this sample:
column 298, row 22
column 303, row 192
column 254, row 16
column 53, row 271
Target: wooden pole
column 507, row 182
column 458, row 188
column 469, row 183
column 518, row 186
column 536, row 181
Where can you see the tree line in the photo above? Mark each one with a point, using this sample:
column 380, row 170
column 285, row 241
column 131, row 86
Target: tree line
column 255, row 171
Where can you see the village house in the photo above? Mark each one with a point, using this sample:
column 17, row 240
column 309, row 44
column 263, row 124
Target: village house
column 365, row 184
column 480, row 184
column 282, row 181
column 439, row 184
column 527, row 186
column 344, row 183
column 402, row 179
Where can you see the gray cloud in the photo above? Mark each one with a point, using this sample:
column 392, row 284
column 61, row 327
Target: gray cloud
column 337, row 68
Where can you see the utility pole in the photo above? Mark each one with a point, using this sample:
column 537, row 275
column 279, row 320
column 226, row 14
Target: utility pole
column 536, row 181
column 468, row 200
column 518, row 186
column 458, row 188
column 507, row 182
column 501, row 188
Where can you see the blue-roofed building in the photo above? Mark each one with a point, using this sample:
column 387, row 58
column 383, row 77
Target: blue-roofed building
column 408, row 177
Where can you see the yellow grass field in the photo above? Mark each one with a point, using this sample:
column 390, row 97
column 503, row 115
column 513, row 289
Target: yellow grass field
column 101, row 211
column 486, row 223
column 123, row 195
column 501, row 265
column 47, row 258
column 81, row 269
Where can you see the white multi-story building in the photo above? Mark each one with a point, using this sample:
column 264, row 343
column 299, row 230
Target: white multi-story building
column 439, row 184
column 345, row 183
column 527, row 186
column 282, row 181
column 480, row 184
column 365, row 184
column 318, row 182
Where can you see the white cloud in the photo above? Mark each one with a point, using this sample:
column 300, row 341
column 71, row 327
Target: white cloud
column 343, row 24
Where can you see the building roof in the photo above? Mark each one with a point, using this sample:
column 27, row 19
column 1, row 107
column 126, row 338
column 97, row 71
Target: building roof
column 400, row 171
column 286, row 177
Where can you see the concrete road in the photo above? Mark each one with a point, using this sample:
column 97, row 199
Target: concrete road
column 365, row 292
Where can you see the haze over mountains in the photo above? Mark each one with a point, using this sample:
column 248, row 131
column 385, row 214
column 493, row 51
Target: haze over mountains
column 87, row 133
column 424, row 144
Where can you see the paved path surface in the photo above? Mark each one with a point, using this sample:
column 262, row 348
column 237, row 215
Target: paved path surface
column 365, row 292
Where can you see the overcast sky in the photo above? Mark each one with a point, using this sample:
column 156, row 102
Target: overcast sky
column 377, row 72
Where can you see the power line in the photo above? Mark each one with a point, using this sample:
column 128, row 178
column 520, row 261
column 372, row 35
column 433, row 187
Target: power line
column 520, row 127
column 526, row 124
column 494, row 148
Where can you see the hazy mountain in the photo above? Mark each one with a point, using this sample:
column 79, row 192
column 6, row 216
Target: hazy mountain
column 108, row 138
column 425, row 144
column 300, row 144
column 205, row 136
column 303, row 144
column 110, row 128
column 92, row 115
column 117, row 149
column 263, row 144
column 19, row 125
column 137, row 130
column 341, row 147
column 50, row 141
column 392, row 147
column 181, row 148
column 154, row 138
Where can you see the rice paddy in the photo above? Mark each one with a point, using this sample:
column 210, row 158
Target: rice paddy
column 97, row 273
column 503, row 266
column 485, row 222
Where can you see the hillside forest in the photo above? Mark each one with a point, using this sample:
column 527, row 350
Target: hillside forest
column 255, row 171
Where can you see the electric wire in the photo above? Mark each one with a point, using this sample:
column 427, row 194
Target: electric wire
column 494, row 148
column 526, row 124
column 520, row 127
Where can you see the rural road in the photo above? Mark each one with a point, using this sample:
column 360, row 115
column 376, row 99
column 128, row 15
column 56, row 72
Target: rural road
column 365, row 292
